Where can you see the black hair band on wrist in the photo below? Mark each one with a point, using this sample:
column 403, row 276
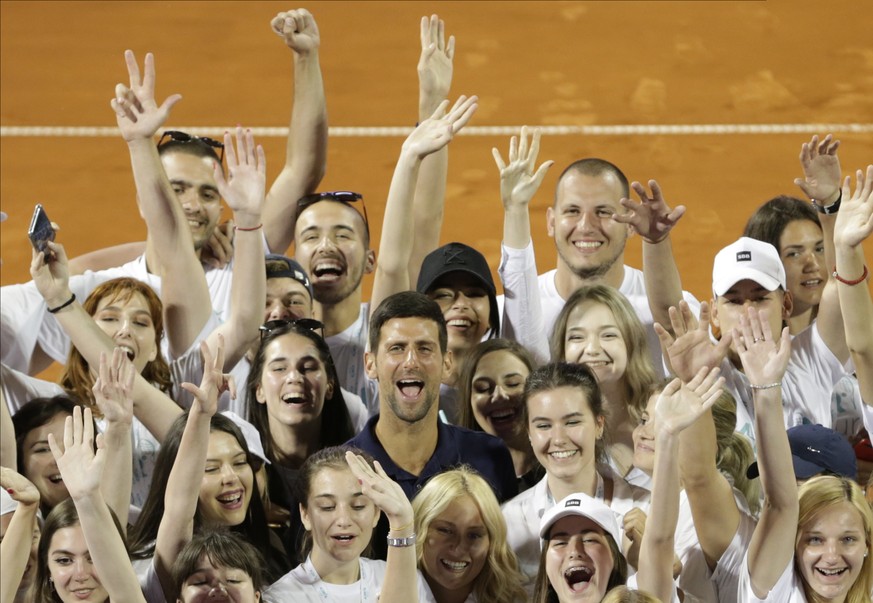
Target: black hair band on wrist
column 829, row 209
column 63, row 305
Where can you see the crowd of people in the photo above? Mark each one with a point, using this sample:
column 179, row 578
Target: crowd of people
column 238, row 424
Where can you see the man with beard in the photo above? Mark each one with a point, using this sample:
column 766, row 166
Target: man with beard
column 409, row 358
column 590, row 224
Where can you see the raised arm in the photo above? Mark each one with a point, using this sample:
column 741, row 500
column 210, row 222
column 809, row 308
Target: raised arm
column 854, row 224
column 182, row 491
column 653, row 220
column 112, row 394
column 306, row 150
column 154, row 409
column 764, row 362
column 18, row 539
column 170, row 245
column 244, row 193
column 8, row 454
column 400, row 584
column 678, row 407
column 395, row 246
column 520, row 180
column 82, row 471
column 435, row 68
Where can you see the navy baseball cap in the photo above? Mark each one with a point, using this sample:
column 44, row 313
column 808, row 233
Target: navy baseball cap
column 816, row 449
column 280, row 266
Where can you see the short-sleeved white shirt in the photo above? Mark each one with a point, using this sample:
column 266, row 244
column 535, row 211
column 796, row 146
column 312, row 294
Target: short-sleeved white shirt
column 788, row 588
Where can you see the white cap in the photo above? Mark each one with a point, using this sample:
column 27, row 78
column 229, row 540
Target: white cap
column 250, row 433
column 584, row 506
column 747, row 259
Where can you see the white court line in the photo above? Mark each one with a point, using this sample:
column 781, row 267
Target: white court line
column 381, row 132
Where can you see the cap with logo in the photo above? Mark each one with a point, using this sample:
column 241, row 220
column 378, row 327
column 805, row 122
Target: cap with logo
column 747, row 259
column 816, row 449
column 581, row 505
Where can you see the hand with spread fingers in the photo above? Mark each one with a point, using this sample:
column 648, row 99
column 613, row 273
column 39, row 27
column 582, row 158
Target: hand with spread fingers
column 680, row 404
column 651, row 218
column 690, row 347
column 435, row 65
column 213, row 383
column 520, row 179
column 136, row 111
column 437, row 131
column 113, row 388
column 80, row 465
column 821, row 170
column 854, row 221
column 245, row 186
column 764, row 358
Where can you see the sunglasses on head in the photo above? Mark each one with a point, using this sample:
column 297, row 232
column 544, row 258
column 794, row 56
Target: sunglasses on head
column 305, row 323
column 340, row 196
column 184, row 138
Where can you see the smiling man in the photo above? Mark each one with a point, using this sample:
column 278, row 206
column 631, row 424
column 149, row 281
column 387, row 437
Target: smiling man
column 409, row 359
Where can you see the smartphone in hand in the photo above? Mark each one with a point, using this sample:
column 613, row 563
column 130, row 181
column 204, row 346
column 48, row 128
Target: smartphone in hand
column 41, row 231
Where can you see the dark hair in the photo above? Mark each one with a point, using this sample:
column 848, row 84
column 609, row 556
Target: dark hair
column 468, row 371
column 223, row 548
column 336, row 423
column 769, row 221
column 36, row 413
column 64, row 515
column 332, row 457
column 78, row 378
column 194, row 147
column 303, row 207
column 593, row 166
column 407, row 304
column 144, row 532
column 545, row 593
column 564, row 374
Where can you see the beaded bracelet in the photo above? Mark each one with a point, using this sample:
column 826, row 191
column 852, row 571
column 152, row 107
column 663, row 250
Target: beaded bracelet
column 857, row 281
column 63, row 305
column 768, row 386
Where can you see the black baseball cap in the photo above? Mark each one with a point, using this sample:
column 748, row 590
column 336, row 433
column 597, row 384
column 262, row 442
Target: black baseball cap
column 817, row 449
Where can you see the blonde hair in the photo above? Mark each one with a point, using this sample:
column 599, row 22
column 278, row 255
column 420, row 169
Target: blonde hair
column 735, row 453
column 818, row 495
column 622, row 594
column 499, row 581
column 640, row 372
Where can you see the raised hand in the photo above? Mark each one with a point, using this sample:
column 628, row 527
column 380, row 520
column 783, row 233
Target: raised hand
column 821, row 169
column 855, row 219
column 136, row 111
column 245, row 187
column 764, row 358
column 113, row 389
column 651, row 218
column 18, row 487
column 51, row 276
column 213, row 383
column 520, row 179
column 435, row 63
column 681, row 404
column 383, row 491
column 81, row 468
column 438, row 130
column 691, row 349
column 298, row 29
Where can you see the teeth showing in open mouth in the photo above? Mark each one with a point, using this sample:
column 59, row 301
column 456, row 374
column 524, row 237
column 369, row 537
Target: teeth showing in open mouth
column 230, row 499
column 595, row 363
column 578, row 577
column 455, row 566
column 587, row 244
column 563, row 454
column 127, row 350
column 832, row 572
column 502, row 415
column 410, row 387
column 327, row 268
column 459, row 322
column 343, row 537
column 56, row 479
column 812, row 283
column 293, row 398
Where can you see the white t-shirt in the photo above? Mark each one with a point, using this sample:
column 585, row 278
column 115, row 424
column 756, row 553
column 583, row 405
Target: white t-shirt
column 788, row 588
column 24, row 320
column 524, row 512
column 303, row 584
column 347, row 349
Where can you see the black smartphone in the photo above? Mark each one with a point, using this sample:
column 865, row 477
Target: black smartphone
column 41, row 231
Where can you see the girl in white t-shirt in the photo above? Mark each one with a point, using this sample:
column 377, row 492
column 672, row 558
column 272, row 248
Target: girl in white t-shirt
column 341, row 494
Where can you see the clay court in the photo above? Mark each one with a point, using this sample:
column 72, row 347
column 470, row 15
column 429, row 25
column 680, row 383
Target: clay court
column 716, row 98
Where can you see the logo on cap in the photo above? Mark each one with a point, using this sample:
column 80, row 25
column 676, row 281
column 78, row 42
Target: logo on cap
column 744, row 256
column 453, row 256
column 573, row 502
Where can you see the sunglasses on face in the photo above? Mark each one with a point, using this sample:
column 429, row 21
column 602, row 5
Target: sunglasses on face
column 346, row 197
column 185, row 138
column 305, row 323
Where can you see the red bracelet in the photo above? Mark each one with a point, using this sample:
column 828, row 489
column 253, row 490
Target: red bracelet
column 857, row 281
column 240, row 228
